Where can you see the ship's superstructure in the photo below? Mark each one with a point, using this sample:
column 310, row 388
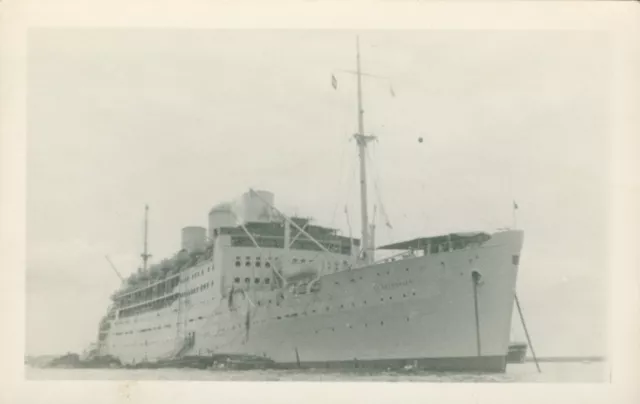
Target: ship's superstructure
column 260, row 283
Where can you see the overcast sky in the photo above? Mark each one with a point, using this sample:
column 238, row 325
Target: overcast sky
column 183, row 120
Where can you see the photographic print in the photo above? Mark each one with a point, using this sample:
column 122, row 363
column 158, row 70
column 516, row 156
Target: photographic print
column 318, row 205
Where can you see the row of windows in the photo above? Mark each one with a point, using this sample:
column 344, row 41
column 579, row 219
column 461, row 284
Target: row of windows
column 149, row 293
column 197, row 274
column 200, row 288
column 290, row 315
column 248, row 280
column 154, row 328
column 153, row 306
column 144, row 329
column 258, row 264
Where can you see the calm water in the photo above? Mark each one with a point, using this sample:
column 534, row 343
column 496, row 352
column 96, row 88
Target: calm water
column 519, row 373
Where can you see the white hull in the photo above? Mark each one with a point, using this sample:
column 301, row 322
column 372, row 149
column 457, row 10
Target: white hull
column 419, row 308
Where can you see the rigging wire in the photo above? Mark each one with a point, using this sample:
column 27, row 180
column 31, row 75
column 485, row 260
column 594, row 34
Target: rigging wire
column 340, row 181
column 376, row 180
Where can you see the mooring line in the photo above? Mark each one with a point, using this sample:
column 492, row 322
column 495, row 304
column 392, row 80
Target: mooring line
column 475, row 275
column 526, row 333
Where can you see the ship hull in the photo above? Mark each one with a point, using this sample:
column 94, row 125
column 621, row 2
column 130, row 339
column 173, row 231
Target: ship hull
column 427, row 312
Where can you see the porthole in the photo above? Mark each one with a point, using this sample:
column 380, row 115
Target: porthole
column 267, row 281
column 247, row 280
column 302, row 261
column 257, row 280
column 295, row 260
column 238, row 264
column 247, row 264
column 268, row 265
column 258, row 264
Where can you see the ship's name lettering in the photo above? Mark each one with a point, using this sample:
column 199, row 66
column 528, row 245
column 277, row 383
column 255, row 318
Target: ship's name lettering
column 393, row 285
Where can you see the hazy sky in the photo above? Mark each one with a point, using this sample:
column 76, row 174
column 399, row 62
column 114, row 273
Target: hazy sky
column 183, row 120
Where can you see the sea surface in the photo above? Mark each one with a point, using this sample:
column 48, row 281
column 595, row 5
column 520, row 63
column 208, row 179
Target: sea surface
column 551, row 372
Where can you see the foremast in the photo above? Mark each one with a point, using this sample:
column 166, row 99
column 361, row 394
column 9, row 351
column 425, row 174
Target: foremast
column 362, row 140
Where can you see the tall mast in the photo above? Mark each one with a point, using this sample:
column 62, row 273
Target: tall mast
column 145, row 255
column 362, row 141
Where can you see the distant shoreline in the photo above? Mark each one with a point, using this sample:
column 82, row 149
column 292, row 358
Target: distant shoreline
column 568, row 359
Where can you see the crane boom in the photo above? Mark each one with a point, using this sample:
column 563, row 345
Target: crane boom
column 114, row 268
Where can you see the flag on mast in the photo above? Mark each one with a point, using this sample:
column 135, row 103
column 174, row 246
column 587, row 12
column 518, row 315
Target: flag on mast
column 334, row 82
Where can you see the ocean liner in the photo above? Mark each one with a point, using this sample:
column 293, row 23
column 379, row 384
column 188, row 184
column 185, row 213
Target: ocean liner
column 258, row 283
